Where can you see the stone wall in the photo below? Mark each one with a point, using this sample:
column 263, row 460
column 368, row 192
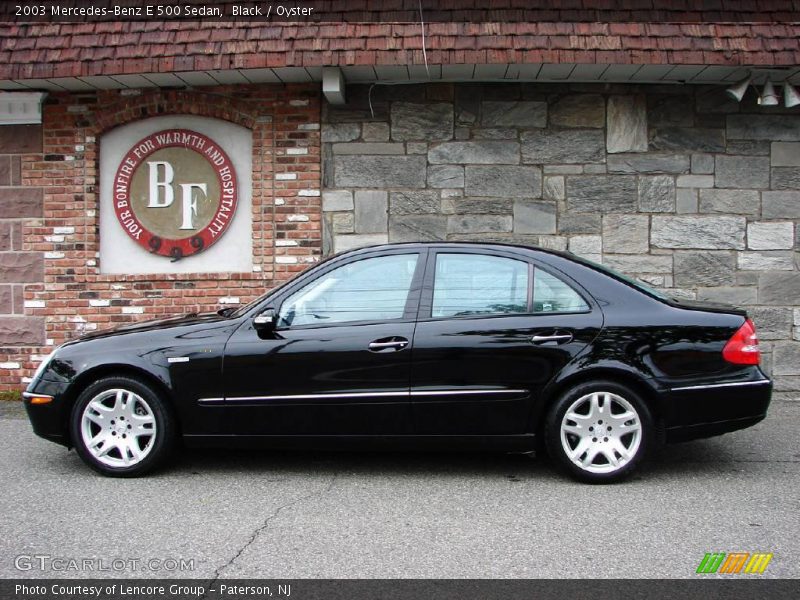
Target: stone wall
column 675, row 185
column 19, row 266
column 52, row 287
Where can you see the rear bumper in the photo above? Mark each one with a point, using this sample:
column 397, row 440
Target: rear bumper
column 706, row 430
column 711, row 409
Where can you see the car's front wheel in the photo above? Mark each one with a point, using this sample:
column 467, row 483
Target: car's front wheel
column 121, row 427
column 599, row 431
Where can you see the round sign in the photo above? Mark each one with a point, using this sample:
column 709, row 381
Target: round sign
column 175, row 192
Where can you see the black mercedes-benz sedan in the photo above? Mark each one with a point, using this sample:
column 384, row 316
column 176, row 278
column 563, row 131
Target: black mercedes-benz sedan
column 443, row 345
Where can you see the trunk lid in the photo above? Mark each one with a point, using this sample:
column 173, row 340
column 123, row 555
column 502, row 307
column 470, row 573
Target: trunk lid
column 717, row 307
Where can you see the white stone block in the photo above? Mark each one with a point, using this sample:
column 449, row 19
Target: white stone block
column 348, row 242
column 337, row 200
column 765, row 261
column 585, row 245
column 626, row 120
column 695, row 181
column 763, row 235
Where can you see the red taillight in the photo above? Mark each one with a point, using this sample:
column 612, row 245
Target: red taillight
column 742, row 348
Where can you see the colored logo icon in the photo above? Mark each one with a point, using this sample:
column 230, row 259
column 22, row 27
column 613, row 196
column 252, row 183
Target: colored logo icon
column 734, row 563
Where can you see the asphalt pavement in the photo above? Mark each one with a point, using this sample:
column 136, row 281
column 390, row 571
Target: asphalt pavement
column 230, row 514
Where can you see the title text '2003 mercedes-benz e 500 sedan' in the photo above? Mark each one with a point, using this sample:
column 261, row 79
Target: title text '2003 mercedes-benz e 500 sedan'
column 449, row 345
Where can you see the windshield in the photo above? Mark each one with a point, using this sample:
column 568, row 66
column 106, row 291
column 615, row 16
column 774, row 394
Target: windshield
column 239, row 311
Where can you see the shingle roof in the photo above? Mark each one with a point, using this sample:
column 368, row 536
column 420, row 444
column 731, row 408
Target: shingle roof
column 568, row 35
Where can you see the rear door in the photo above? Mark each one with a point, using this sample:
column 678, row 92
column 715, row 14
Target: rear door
column 494, row 328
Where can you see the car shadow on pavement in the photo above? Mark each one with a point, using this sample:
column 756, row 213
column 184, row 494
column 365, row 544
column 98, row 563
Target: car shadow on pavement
column 444, row 464
column 707, row 457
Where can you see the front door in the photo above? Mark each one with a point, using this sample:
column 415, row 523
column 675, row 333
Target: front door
column 339, row 360
column 493, row 330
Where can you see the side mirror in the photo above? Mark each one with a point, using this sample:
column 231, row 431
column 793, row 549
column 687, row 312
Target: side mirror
column 266, row 321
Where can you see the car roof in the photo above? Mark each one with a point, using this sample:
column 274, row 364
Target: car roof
column 460, row 244
column 530, row 250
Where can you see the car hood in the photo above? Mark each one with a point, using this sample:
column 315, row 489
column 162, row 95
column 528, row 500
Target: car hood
column 156, row 324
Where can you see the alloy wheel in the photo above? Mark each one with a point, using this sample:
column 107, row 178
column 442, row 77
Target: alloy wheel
column 118, row 428
column 601, row 432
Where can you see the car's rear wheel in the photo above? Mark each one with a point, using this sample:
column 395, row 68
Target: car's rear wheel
column 599, row 431
column 121, row 427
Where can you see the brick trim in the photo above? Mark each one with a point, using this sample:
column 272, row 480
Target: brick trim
column 122, row 110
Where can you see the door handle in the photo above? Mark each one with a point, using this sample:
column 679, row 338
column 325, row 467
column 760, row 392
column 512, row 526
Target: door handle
column 395, row 344
column 558, row 338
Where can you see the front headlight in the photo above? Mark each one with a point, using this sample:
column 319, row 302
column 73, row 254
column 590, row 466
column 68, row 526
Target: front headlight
column 43, row 365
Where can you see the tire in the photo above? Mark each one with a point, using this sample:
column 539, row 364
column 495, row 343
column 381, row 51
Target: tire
column 122, row 427
column 587, row 435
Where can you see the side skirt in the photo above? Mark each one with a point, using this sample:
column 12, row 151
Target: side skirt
column 504, row 443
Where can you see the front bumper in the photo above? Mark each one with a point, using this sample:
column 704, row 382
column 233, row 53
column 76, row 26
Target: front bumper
column 50, row 420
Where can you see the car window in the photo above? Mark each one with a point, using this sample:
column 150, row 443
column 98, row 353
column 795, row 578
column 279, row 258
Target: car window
column 550, row 294
column 373, row 289
column 475, row 284
column 639, row 285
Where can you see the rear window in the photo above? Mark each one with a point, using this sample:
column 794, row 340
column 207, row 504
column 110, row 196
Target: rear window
column 642, row 287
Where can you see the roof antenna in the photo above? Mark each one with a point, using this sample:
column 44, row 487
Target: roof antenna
column 369, row 99
column 424, row 49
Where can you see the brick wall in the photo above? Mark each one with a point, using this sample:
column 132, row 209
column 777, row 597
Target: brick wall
column 52, row 289
column 676, row 185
